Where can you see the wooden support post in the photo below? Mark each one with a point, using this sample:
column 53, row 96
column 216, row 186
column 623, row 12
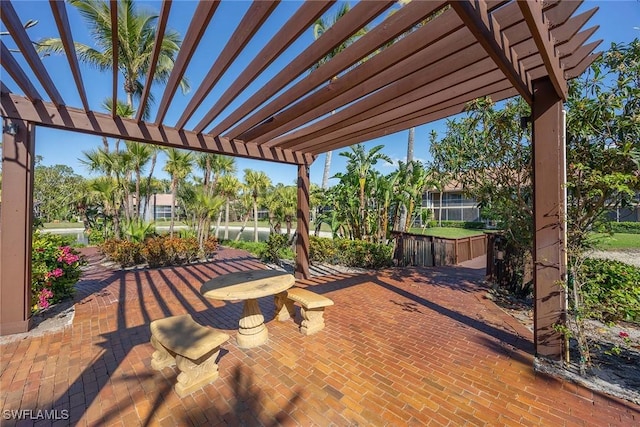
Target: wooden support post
column 549, row 220
column 16, row 221
column 302, row 242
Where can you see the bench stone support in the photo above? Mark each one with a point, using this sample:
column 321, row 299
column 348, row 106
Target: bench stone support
column 285, row 309
column 196, row 374
column 161, row 358
column 192, row 347
column 311, row 308
column 312, row 320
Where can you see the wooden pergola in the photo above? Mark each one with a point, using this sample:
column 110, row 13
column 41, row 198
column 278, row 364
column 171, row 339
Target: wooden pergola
column 475, row 48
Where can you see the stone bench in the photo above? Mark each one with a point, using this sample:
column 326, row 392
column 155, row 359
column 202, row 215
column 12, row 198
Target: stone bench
column 194, row 348
column 311, row 308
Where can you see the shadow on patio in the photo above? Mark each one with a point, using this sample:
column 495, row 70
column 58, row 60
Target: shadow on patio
column 400, row 347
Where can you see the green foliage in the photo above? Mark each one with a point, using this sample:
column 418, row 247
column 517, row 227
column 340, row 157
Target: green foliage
column 615, row 241
column 622, row 227
column 489, row 154
column 610, row 290
column 350, row 253
column 56, row 268
column 471, row 225
column 603, row 136
column 56, row 192
column 255, row 248
column 138, row 231
column 275, row 248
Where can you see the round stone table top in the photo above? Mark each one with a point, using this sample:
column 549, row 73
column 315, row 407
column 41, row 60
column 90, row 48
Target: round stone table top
column 243, row 285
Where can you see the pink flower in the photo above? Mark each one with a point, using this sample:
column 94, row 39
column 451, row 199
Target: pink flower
column 623, row 334
column 43, row 298
column 56, row 272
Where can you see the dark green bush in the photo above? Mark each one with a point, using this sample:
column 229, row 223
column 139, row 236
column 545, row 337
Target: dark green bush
column 624, row 227
column 610, row 290
column 350, row 253
column 275, row 247
column 472, row 225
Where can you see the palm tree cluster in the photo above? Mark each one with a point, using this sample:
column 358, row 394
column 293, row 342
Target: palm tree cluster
column 378, row 208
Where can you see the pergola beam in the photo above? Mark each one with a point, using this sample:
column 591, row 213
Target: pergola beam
column 356, row 18
column 408, row 50
column 19, row 34
column 571, row 27
column 414, row 87
column 17, row 74
column 201, row 17
column 46, row 114
column 532, row 12
column 487, row 31
column 308, row 13
column 348, row 57
column 59, row 11
column 157, row 46
column 582, row 66
column 252, row 21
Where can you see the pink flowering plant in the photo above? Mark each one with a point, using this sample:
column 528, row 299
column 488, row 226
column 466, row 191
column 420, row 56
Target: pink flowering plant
column 56, row 268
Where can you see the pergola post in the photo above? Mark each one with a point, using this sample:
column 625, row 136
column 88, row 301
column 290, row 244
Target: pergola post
column 549, row 220
column 302, row 242
column 16, row 221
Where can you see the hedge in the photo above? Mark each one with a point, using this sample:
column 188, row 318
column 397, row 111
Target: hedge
column 472, row 225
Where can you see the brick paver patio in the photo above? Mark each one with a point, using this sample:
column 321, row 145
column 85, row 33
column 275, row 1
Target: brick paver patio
column 410, row 347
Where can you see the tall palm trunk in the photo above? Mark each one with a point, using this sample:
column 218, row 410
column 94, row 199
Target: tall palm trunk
column 327, row 168
column 138, row 176
column 255, row 220
column 154, row 158
column 226, row 219
column 244, row 224
column 174, row 196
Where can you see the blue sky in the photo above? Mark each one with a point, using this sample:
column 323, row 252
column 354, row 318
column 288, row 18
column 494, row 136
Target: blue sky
column 617, row 20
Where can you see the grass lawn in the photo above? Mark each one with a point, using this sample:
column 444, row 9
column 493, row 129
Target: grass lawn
column 617, row 241
column 447, row 232
column 63, row 225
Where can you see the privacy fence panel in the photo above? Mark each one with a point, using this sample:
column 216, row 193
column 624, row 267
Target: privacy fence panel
column 428, row 251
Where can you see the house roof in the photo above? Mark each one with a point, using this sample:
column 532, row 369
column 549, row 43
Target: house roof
column 475, row 48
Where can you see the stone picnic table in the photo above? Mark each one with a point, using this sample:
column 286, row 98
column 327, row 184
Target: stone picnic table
column 248, row 286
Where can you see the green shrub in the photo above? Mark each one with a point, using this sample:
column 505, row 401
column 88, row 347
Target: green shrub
column 55, row 269
column 624, row 227
column 276, row 248
column 473, row 225
column 350, row 253
column 255, row 248
column 610, row 290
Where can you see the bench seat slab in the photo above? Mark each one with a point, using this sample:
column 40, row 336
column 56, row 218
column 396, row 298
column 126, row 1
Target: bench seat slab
column 194, row 348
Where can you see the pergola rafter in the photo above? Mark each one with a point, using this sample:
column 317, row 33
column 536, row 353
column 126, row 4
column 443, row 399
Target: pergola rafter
column 59, row 10
column 422, row 63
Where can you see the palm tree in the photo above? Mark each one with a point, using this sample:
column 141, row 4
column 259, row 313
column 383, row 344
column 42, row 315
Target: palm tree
column 136, row 37
column 360, row 163
column 257, row 182
column 245, row 203
column 140, row 155
column 178, row 166
column 228, row 187
column 319, row 28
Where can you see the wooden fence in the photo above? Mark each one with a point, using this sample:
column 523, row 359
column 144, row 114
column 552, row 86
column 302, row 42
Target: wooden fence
column 428, row 251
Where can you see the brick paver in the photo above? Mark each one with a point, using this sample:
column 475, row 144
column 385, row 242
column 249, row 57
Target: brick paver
column 400, row 347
